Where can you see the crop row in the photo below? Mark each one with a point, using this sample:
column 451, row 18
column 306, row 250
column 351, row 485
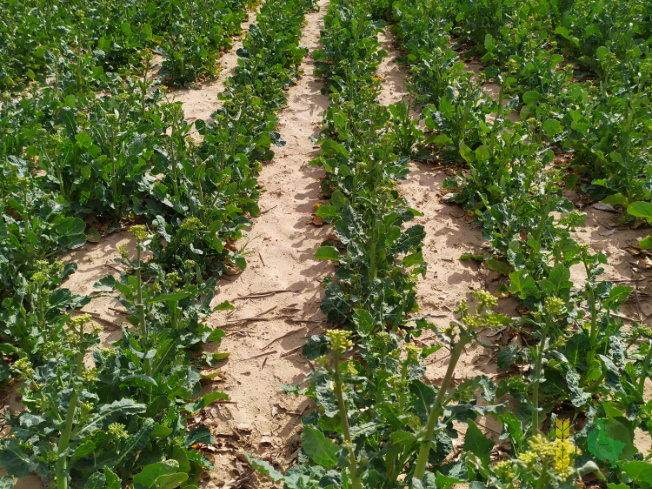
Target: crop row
column 377, row 423
column 95, row 41
column 579, row 72
column 99, row 416
column 585, row 364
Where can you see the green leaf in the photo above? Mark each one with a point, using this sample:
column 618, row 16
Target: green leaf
column 482, row 153
column 96, row 481
column 522, row 284
column 14, row 459
column 108, row 412
column 315, row 347
column 107, row 284
column 112, row 480
column 327, row 212
column 150, row 474
column 639, row 471
column 224, row 306
column 615, row 199
column 641, row 209
column 84, row 140
column 320, row 449
column 603, row 447
column 646, row 243
column 176, row 296
column 92, row 235
column 444, row 481
column 423, row 397
column 552, row 127
column 339, row 200
column 531, row 96
column 477, row 443
column 508, row 356
column 571, row 181
column 413, row 259
column 364, row 322
column 171, row 481
column 136, row 442
column 265, row 468
column 499, row 266
column 327, row 253
column 601, row 53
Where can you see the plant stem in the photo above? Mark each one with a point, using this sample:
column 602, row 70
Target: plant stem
column 64, row 441
column 141, row 319
column 537, row 375
column 437, row 409
column 353, row 465
column 646, row 368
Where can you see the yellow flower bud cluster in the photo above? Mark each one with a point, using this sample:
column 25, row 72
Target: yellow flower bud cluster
column 339, row 340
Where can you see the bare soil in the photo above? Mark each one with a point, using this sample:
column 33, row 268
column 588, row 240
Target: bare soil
column 277, row 297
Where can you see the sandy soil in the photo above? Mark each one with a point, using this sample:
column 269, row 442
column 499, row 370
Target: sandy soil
column 265, row 334
column 277, row 297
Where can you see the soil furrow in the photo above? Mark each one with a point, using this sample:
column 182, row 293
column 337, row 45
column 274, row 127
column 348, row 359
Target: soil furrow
column 265, row 346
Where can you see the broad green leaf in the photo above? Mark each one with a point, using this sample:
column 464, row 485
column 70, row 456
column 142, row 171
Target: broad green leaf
column 171, row 481
column 482, row 153
column 327, row 253
column 444, row 481
column 602, row 446
column 108, row 412
column 327, row 212
column 320, row 449
column 522, row 284
column 112, row 480
column 552, row 127
column 499, row 266
column 149, row 475
column 646, row 243
column 601, row 53
column 423, row 397
column 136, row 442
column 615, row 199
column 364, row 322
column 638, row 470
column 315, row 347
column 531, row 96
column 339, row 200
column 413, row 259
column 96, row 481
column 641, row 209
column 14, row 459
column 477, row 443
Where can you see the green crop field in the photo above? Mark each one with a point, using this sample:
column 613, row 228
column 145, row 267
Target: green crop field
column 93, row 143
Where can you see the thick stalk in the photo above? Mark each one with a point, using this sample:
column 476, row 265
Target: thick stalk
column 353, row 464
column 437, row 410
column 646, row 368
column 537, row 375
column 64, row 441
column 141, row 321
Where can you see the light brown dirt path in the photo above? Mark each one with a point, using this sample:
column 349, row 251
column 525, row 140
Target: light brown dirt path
column 262, row 420
column 448, row 235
